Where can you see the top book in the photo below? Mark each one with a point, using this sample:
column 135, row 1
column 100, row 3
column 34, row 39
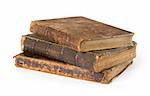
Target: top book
column 82, row 34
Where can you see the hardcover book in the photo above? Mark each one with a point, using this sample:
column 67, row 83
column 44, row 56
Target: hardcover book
column 81, row 33
column 35, row 62
column 93, row 60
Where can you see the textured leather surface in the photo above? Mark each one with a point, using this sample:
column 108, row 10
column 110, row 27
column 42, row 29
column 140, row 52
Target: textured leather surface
column 72, row 31
column 103, row 59
column 35, row 62
column 82, row 27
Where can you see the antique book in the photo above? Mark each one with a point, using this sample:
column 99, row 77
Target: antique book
column 82, row 34
column 35, row 62
column 94, row 60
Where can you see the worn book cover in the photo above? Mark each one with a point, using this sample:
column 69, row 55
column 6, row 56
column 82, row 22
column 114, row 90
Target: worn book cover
column 35, row 62
column 81, row 33
column 93, row 60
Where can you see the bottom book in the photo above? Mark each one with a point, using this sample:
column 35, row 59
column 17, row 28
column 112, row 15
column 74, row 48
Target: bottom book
column 35, row 62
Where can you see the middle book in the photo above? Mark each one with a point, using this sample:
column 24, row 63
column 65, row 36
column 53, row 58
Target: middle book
column 95, row 61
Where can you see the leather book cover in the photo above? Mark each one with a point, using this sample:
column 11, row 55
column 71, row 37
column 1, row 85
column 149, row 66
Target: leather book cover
column 93, row 60
column 35, row 62
column 81, row 33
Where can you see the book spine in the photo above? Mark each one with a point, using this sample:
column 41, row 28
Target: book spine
column 58, row 52
column 56, row 36
column 56, row 67
column 63, row 69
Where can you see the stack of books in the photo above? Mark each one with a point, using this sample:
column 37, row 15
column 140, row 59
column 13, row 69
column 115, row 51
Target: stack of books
column 77, row 47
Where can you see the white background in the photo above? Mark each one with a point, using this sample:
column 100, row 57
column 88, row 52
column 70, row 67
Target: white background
column 15, row 18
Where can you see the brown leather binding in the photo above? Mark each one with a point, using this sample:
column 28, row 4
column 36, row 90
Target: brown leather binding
column 35, row 62
column 93, row 60
column 77, row 31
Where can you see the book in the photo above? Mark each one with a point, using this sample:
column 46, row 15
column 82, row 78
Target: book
column 81, row 33
column 93, row 60
column 35, row 62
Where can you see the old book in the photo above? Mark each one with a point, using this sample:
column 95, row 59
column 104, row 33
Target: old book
column 34, row 62
column 93, row 60
column 82, row 34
